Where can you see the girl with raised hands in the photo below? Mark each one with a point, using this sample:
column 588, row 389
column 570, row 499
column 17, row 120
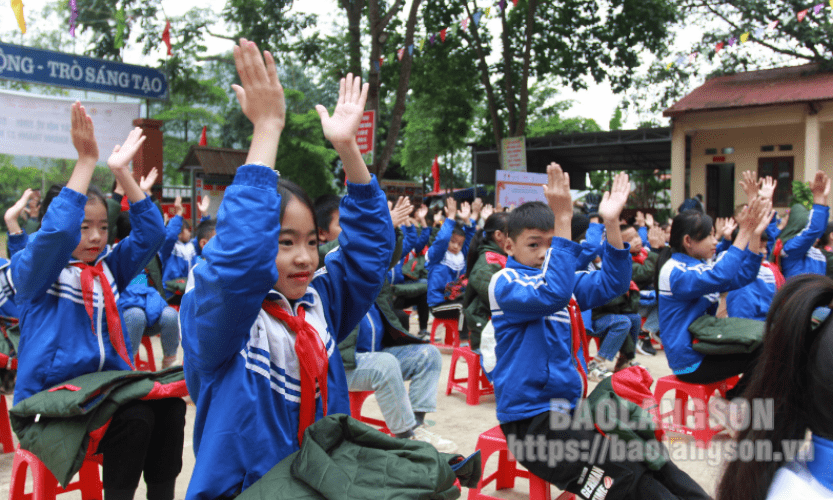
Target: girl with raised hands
column 259, row 325
column 67, row 280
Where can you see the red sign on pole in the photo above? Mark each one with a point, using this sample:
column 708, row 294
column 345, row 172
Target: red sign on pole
column 365, row 137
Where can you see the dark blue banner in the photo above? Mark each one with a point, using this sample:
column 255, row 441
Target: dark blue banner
column 47, row 67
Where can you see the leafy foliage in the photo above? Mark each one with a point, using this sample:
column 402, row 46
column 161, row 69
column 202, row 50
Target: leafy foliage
column 802, row 194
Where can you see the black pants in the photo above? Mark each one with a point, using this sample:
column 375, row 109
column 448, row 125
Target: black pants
column 585, row 473
column 717, row 367
column 421, row 303
column 144, row 437
column 452, row 313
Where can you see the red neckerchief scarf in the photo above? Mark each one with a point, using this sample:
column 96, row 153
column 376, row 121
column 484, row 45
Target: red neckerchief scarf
column 640, row 257
column 312, row 357
column 779, row 278
column 88, row 276
column 579, row 340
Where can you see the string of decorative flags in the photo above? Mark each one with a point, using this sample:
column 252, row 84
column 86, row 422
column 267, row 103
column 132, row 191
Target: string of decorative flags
column 744, row 37
column 431, row 38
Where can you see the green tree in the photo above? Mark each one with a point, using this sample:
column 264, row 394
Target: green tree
column 539, row 41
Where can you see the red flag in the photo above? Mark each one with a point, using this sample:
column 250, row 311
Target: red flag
column 166, row 37
column 801, row 15
column 442, row 34
column 203, row 139
column 435, row 171
column 718, row 47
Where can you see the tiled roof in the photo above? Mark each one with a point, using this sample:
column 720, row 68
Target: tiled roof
column 789, row 85
column 214, row 161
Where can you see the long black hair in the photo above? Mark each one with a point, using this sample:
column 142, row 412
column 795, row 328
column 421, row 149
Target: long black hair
column 692, row 223
column 498, row 221
column 792, row 372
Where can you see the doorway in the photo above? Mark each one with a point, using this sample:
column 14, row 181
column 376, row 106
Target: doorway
column 720, row 189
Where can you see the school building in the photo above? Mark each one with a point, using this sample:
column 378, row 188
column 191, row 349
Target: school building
column 778, row 122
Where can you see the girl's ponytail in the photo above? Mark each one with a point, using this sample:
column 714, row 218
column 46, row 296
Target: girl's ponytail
column 496, row 222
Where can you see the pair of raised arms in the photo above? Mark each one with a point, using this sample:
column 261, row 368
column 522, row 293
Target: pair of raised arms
column 261, row 98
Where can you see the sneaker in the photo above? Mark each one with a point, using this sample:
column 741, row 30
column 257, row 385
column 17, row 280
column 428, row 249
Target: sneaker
column 424, row 334
column 440, row 443
column 597, row 371
column 644, row 347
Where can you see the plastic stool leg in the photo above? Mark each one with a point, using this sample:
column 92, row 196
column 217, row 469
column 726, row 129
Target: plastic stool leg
column 5, row 427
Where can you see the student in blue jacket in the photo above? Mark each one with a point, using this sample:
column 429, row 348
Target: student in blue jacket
column 446, row 260
column 540, row 372
column 799, row 254
column 689, row 286
column 67, row 281
column 259, row 325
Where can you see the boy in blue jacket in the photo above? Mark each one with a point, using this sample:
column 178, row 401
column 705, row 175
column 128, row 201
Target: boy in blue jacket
column 446, row 261
column 803, row 229
column 540, row 374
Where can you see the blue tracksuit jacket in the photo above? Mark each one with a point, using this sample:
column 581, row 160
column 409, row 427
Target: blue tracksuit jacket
column 690, row 288
column 536, row 361
column 7, row 305
column 436, row 262
column 240, row 363
column 753, row 300
column 799, row 254
column 57, row 341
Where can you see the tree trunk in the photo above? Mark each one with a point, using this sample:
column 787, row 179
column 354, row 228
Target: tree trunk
column 508, row 79
column 520, row 129
column 497, row 123
column 382, row 161
column 353, row 8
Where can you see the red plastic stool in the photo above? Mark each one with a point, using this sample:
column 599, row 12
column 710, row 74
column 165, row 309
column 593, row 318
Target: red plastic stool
column 356, row 402
column 476, row 384
column 493, row 441
column 452, row 334
column 46, row 487
column 5, row 427
column 148, row 365
column 700, row 394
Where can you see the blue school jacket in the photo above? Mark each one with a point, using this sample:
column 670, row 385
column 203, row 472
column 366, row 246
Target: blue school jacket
column 690, row 288
column 753, row 300
column 440, row 273
column 7, row 305
column 180, row 261
column 240, row 363
column 535, row 358
column 17, row 242
column 591, row 247
column 138, row 293
column 57, row 341
column 800, row 254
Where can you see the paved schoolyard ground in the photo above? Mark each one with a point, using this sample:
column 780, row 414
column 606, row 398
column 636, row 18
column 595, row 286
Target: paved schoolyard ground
column 457, row 421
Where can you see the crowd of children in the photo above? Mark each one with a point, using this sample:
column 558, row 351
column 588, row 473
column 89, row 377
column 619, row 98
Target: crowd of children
column 295, row 303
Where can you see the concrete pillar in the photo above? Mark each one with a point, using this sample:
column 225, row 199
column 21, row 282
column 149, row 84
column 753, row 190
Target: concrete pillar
column 149, row 155
column 677, row 165
column 811, row 146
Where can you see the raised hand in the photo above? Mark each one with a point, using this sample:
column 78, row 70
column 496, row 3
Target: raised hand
column 487, row 211
column 640, row 219
column 465, row 211
column 145, row 183
column 613, row 201
column 83, row 134
column 750, row 184
column 476, row 208
column 719, row 224
column 123, row 154
column 729, row 228
column 767, row 189
column 205, row 203
column 261, row 94
column 656, row 237
column 178, row 210
column 451, row 207
column 820, row 186
column 342, row 126
column 421, row 212
column 400, row 211
column 13, row 213
column 557, row 192
column 649, row 220
column 438, row 217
